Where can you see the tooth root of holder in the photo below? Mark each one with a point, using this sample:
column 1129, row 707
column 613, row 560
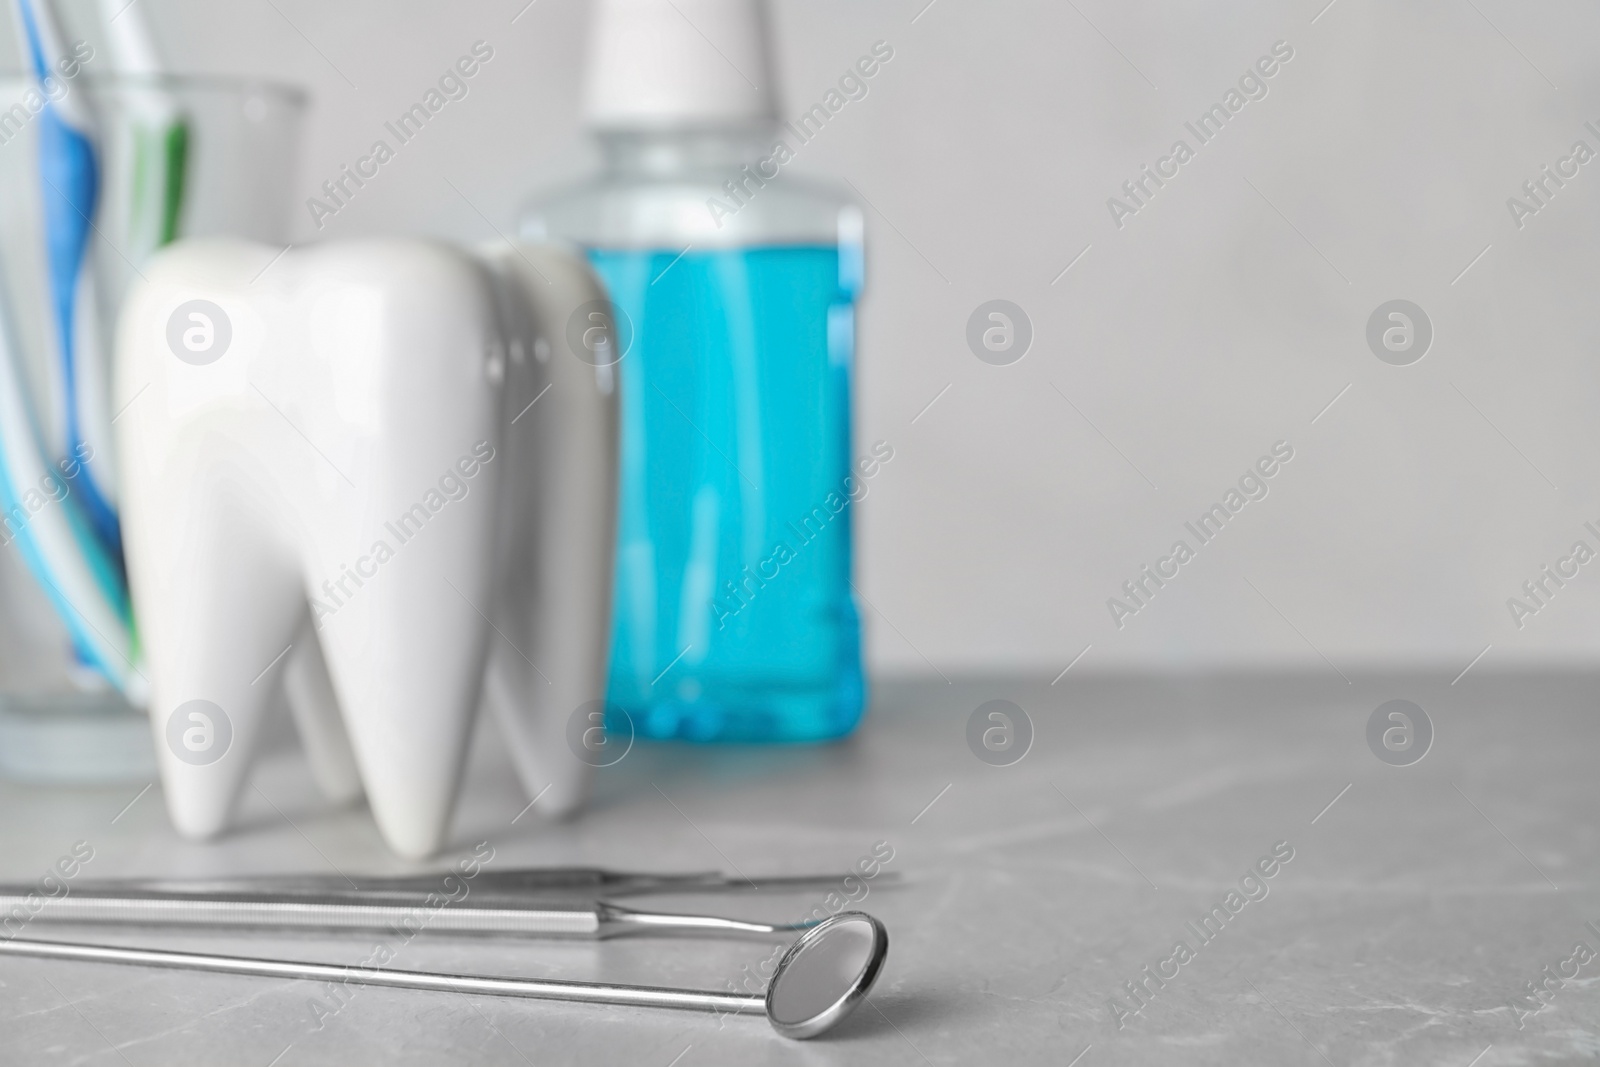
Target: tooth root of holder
column 336, row 457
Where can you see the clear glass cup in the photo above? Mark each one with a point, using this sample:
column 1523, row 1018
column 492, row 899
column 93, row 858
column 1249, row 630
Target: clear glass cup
column 174, row 157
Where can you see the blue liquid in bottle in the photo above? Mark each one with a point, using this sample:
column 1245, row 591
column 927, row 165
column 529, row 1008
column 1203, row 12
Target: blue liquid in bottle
column 734, row 618
column 735, row 278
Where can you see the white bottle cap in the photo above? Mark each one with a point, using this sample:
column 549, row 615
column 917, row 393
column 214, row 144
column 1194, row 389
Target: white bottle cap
column 666, row 64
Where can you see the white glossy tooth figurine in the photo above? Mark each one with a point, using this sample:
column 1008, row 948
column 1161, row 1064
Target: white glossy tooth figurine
column 384, row 457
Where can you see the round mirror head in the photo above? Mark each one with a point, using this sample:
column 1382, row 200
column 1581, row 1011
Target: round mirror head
column 826, row 973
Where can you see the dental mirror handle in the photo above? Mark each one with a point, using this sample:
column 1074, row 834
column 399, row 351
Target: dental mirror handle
column 538, row 989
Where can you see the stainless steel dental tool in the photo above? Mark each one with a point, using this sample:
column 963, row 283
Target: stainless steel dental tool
column 563, row 881
column 817, row 982
column 534, row 902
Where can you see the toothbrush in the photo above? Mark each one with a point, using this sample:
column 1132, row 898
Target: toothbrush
column 72, row 546
column 80, row 577
column 69, row 166
column 158, row 135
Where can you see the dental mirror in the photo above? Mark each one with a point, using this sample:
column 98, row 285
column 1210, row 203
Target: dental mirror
column 817, row 983
column 826, row 973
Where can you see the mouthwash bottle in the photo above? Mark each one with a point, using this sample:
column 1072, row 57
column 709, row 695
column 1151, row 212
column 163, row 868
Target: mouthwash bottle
column 734, row 283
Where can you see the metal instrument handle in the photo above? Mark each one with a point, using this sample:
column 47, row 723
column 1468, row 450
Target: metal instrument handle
column 576, row 921
column 539, row 989
column 601, row 919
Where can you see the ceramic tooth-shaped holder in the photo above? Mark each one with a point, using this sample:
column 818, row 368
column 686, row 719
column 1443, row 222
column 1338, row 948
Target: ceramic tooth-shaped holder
column 336, row 455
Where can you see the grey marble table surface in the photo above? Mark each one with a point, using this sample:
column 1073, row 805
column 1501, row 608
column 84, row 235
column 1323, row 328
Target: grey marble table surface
column 1408, row 913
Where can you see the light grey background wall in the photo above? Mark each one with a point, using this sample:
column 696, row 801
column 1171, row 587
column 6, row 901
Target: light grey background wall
column 1223, row 317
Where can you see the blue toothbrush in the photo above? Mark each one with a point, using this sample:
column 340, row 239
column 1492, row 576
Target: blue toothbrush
column 73, row 545
column 69, row 167
column 77, row 573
